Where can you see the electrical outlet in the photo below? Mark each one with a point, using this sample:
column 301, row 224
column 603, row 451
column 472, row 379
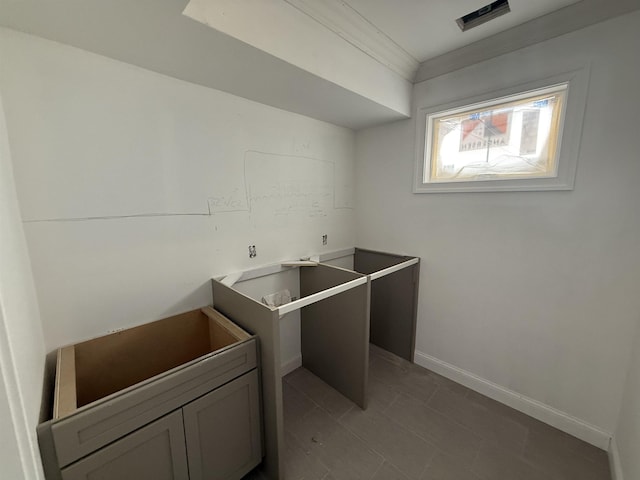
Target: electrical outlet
column 252, row 251
column 325, row 239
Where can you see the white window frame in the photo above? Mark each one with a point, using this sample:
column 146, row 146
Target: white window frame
column 570, row 135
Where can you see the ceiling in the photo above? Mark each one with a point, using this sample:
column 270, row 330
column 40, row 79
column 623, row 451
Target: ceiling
column 348, row 62
column 427, row 28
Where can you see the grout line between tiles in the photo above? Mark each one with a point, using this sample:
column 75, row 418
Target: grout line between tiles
column 395, row 392
column 379, row 468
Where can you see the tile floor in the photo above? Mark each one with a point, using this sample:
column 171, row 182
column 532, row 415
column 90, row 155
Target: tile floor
column 421, row 426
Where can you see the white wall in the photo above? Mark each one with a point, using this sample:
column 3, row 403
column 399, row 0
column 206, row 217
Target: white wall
column 627, row 434
column 527, row 293
column 117, row 169
column 12, row 465
column 22, row 351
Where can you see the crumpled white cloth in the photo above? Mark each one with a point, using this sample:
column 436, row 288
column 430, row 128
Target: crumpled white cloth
column 278, row 298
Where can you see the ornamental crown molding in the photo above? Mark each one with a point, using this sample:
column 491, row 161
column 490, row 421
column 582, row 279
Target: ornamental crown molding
column 342, row 19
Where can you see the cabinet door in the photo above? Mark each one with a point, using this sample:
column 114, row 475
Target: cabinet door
column 156, row 452
column 223, row 431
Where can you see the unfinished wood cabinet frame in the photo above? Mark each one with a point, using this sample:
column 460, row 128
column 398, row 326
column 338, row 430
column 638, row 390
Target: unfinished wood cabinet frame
column 65, row 401
column 215, row 334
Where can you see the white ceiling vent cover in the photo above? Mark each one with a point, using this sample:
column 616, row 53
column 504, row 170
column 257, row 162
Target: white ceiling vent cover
column 483, row 15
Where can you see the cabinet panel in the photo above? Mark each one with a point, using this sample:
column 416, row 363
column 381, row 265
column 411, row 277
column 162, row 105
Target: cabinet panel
column 156, row 452
column 222, row 430
column 335, row 332
column 393, row 321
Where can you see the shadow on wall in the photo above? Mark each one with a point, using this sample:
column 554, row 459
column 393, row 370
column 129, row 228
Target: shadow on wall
column 200, row 297
column 48, row 385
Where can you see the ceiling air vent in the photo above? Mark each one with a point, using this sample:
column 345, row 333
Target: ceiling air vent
column 483, row 15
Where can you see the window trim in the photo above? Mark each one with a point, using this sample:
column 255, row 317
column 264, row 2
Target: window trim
column 569, row 138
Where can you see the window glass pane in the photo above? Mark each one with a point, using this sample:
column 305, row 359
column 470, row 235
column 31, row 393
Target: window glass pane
column 515, row 138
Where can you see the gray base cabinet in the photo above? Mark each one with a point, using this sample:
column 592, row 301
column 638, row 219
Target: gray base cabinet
column 196, row 417
column 341, row 311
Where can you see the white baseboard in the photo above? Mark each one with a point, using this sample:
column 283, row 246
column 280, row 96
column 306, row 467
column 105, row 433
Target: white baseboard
column 291, row 364
column 614, row 461
column 538, row 410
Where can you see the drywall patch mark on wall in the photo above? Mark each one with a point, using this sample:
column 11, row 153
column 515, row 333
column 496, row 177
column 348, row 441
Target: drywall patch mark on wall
column 288, row 185
column 272, row 185
column 233, row 201
column 279, row 185
column 117, row 217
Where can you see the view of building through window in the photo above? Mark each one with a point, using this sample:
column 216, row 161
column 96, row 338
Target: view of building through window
column 513, row 137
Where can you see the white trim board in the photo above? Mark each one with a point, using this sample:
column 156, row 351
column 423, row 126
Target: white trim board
column 316, row 297
column 538, row 410
column 614, row 461
column 393, row 269
column 290, row 365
